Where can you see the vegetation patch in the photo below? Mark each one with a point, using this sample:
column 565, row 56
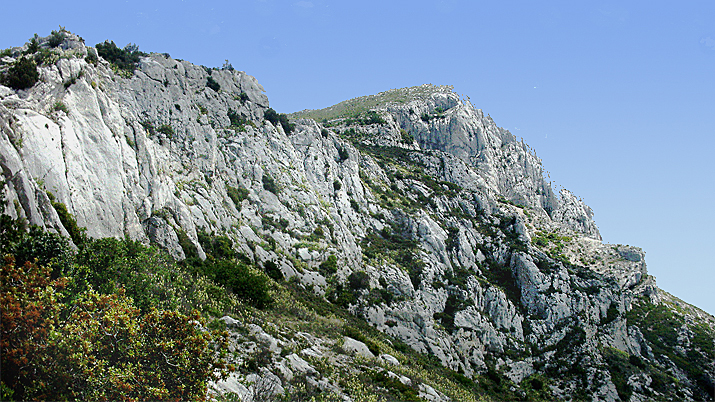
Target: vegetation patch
column 126, row 59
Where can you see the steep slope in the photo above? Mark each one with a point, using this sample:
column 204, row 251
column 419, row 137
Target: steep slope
column 409, row 208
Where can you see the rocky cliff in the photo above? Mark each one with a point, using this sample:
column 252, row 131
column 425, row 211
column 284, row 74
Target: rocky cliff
column 410, row 208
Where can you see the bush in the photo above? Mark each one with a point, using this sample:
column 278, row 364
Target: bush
column 125, row 59
column 242, row 281
column 76, row 233
column 359, row 280
column 282, row 119
column 52, row 350
column 211, row 83
column 60, row 107
column 22, row 74
column 270, row 184
column 237, row 195
column 273, row 271
column 166, row 129
column 329, row 266
column 56, row 38
column 343, row 154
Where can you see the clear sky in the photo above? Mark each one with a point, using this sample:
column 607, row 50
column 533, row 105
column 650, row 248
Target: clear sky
column 616, row 97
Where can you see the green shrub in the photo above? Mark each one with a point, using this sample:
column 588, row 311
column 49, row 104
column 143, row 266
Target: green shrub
column 273, row 271
column 270, row 184
column 359, row 280
column 60, row 107
column 237, row 195
column 56, row 38
column 343, row 154
column 329, row 266
column 246, row 284
column 211, row 83
column 166, row 129
column 337, row 185
column 22, row 74
column 91, row 58
column 406, row 137
column 125, row 59
column 282, row 119
column 76, row 233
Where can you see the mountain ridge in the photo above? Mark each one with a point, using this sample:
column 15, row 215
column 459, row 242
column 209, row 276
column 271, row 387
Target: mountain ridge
column 465, row 251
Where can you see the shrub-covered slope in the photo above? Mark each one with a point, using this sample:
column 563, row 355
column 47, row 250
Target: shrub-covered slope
column 410, row 209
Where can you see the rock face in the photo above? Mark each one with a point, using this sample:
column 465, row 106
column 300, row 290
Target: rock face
column 464, row 250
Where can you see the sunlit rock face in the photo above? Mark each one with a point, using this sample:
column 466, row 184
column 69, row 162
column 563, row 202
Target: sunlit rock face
column 466, row 251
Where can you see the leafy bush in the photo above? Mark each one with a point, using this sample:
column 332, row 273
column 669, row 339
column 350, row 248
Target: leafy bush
column 337, row 185
column 125, row 59
column 273, row 271
column 56, row 38
column 270, row 184
column 282, row 119
column 343, row 154
column 237, row 195
column 211, row 83
column 59, row 106
column 166, row 129
column 55, row 350
column 359, row 280
column 76, row 233
column 406, row 137
column 22, row 74
column 245, row 283
column 329, row 266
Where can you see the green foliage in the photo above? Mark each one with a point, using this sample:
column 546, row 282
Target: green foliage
column 247, row 284
column 76, row 233
column 99, row 347
column 365, row 119
column 359, row 280
column 343, row 154
column 282, row 119
column 396, row 387
column 502, row 276
column 270, row 184
column 329, row 266
column 238, row 121
column 273, row 271
column 237, row 195
column 358, row 335
column 391, row 244
column 56, row 38
column 91, row 58
column 620, row 368
column 59, row 106
column 337, row 185
column 211, row 83
column 22, row 74
column 126, row 59
column 536, row 387
column 166, row 129
column 451, row 306
column 357, row 106
column 406, row 137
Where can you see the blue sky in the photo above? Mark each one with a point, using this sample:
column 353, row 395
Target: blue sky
column 616, row 97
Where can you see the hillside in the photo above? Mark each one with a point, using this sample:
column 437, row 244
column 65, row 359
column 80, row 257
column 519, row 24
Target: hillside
column 412, row 248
